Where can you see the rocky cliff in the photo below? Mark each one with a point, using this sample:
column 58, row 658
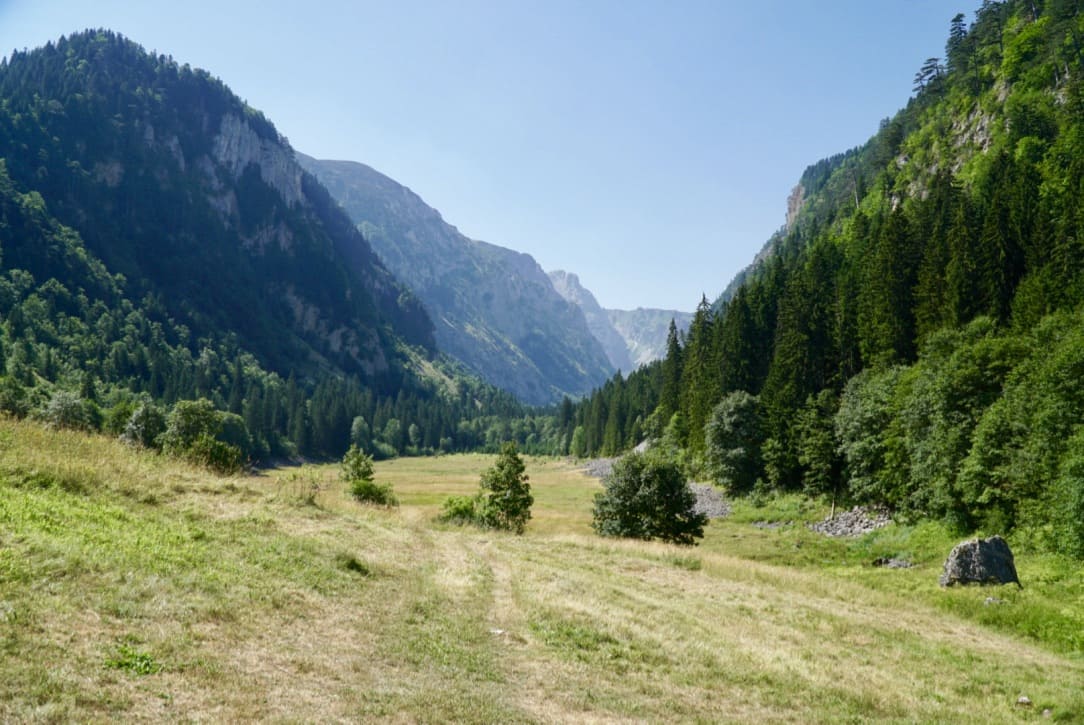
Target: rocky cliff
column 617, row 350
column 493, row 309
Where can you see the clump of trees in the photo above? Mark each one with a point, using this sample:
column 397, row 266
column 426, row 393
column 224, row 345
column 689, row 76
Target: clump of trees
column 647, row 497
column 504, row 498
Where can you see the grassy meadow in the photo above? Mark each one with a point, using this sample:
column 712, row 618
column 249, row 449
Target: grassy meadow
column 133, row 587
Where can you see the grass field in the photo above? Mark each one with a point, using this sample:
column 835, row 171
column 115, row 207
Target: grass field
column 135, row 588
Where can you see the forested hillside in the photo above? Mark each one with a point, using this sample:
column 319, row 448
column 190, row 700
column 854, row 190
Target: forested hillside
column 158, row 242
column 915, row 336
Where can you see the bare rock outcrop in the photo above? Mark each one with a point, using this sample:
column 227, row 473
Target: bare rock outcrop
column 980, row 561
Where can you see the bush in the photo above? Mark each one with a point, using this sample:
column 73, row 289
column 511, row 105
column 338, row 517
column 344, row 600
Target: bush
column 646, row 497
column 188, row 421
column 460, row 510
column 504, row 501
column 357, row 471
column 215, row 455
column 68, row 410
column 1068, row 500
column 733, row 438
column 144, row 426
column 380, row 494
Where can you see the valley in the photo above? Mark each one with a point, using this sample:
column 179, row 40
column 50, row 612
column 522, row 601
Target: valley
column 133, row 587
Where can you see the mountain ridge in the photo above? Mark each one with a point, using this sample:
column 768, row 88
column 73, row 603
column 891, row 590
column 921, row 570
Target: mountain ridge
column 631, row 338
column 494, row 309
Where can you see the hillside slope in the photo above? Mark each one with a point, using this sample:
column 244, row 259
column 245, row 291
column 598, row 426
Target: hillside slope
column 914, row 337
column 631, row 338
column 645, row 329
column 174, row 183
column 494, row 309
column 568, row 286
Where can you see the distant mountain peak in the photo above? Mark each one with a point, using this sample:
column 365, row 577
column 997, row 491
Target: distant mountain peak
column 631, row 338
column 495, row 309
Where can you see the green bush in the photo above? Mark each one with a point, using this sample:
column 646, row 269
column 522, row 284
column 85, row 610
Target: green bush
column 646, row 497
column 145, row 425
column 357, row 471
column 380, row 494
column 215, row 455
column 733, row 437
column 460, row 510
column 68, row 410
column 1068, row 499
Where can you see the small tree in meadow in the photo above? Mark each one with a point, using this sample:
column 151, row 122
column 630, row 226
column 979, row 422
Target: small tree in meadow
column 504, row 501
column 506, row 494
column 357, row 471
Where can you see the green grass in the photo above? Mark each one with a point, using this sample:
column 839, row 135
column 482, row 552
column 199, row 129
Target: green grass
column 136, row 588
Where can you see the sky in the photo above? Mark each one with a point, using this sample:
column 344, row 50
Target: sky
column 648, row 147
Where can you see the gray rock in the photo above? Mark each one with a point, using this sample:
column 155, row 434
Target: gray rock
column 599, row 467
column 709, row 501
column 771, row 525
column 892, row 563
column 980, row 561
column 856, row 522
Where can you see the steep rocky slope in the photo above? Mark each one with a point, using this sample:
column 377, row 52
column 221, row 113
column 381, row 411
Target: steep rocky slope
column 644, row 331
column 568, row 286
column 631, row 338
column 494, row 309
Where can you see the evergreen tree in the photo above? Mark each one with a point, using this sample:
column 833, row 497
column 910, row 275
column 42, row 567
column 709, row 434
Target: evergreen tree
column 506, row 494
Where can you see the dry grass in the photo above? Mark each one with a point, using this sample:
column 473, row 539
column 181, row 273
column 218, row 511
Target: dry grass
column 133, row 588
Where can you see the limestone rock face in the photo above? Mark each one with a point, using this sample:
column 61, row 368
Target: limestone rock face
column 493, row 309
column 980, row 561
column 237, row 145
column 645, row 331
column 568, row 286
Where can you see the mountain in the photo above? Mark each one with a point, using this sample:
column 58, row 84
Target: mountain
column 568, row 286
column 195, row 199
column 914, row 336
column 631, row 338
column 494, row 309
column 159, row 242
column 644, row 331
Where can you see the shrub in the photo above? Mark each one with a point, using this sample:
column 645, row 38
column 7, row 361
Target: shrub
column 1068, row 499
column 188, row 421
column 68, row 410
column 460, row 510
column 380, row 494
column 357, row 471
column 733, row 437
column 215, row 455
column 145, row 425
column 646, row 497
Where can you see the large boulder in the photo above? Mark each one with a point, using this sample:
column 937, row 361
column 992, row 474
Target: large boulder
column 980, row 561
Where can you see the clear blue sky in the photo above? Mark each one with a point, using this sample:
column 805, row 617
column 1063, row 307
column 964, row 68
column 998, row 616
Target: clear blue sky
column 647, row 146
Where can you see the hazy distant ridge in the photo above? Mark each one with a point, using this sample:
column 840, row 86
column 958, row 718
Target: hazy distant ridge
column 493, row 308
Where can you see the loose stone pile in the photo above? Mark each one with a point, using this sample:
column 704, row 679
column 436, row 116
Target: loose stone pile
column 599, row 467
column 856, row 522
column 709, row 501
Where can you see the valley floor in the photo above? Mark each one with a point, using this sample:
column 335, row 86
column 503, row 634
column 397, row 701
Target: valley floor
column 134, row 588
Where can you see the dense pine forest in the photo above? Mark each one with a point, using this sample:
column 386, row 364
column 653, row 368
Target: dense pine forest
column 915, row 336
